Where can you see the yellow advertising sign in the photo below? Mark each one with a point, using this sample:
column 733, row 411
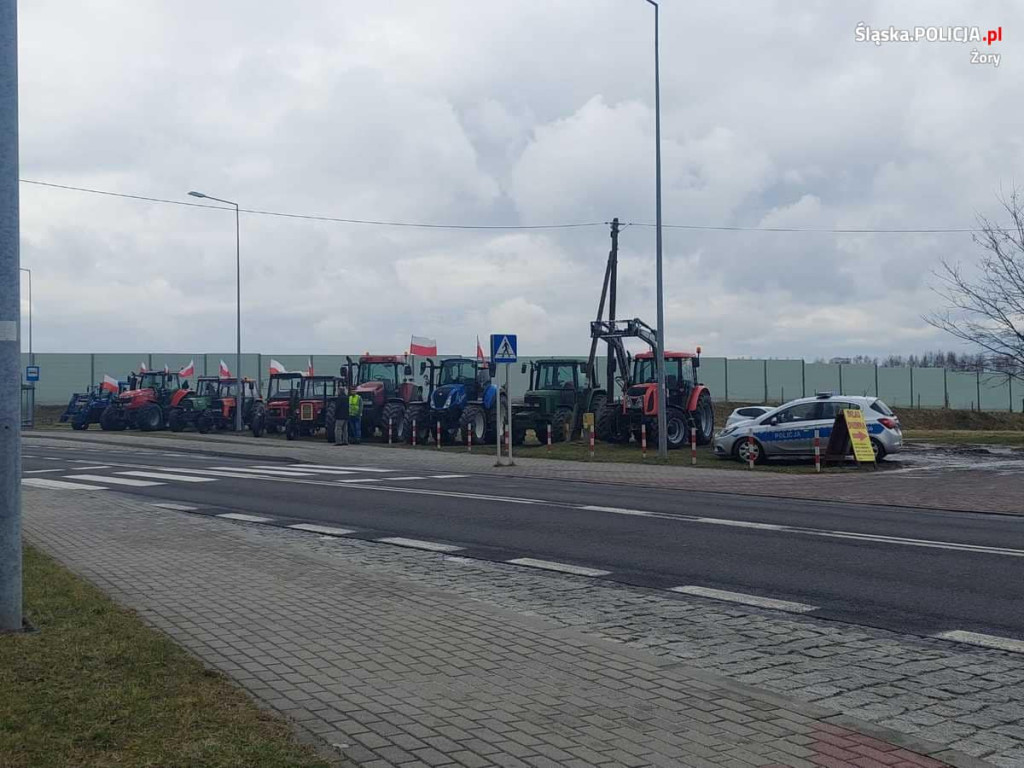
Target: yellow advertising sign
column 859, row 438
column 588, row 421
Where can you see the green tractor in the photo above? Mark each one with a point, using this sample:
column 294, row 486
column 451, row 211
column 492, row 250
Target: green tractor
column 559, row 394
column 188, row 410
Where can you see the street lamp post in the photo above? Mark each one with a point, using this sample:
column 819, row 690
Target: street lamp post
column 238, row 308
column 31, row 357
column 662, row 416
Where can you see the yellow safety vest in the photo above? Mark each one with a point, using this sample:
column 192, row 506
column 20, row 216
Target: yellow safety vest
column 355, row 405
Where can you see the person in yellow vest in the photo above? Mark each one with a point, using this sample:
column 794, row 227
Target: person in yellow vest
column 355, row 418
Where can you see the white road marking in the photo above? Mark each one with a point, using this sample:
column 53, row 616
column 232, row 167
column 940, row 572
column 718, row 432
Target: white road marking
column 390, row 479
column 432, row 546
column 176, row 507
column 985, row 641
column 619, row 511
column 364, row 480
column 440, row 477
column 207, row 472
column 52, row 458
column 96, row 466
column 329, row 530
column 245, row 518
column 58, row 485
column 331, row 466
column 271, row 472
column 739, row 597
column 169, row 476
column 740, row 523
column 306, row 470
column 547, row 565
column 39, row 471
column 114, row 480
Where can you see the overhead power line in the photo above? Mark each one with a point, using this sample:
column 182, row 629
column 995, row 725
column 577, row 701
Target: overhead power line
column 568, row 225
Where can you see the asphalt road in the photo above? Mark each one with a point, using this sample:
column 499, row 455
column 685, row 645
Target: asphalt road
column 911, row 570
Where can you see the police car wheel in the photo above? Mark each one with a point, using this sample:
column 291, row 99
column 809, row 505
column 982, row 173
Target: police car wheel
column 745, row 450
column 879, row 449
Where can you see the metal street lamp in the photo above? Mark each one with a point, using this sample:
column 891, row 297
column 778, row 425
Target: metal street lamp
column 31, row 357
column 238, row 308
column 662, row 420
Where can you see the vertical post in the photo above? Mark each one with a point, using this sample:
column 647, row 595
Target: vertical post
column 238, row 314
column 765, row 382
column 912, row 388
column 469, row 440
column 693, row 446
column 437, row 438
column 497, row 428
column 726, row 392
column 10, row 327
column 977, row 375
column 549, row 437
column 414, row 433
column 817, row 451
column 803, row 377
column 508, row 399
column 945, row 386
column 591, row 431
column 750, row 447
column 643, row 440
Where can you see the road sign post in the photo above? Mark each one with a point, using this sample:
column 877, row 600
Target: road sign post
column 504, row 349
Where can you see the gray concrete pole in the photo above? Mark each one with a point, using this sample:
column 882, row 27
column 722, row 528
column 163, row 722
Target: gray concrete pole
column 238, row 322
column 662, row 405
column 10, row 327
column 31, row 356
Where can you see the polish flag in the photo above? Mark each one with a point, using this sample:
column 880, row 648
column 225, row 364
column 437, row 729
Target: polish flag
column 188, row 370
column 225, row 372
column 109, row 384
column 421, row 345
column 309, row 367
column 167, row 368
column 276, row 367
column 479, row 350
column 143, row 368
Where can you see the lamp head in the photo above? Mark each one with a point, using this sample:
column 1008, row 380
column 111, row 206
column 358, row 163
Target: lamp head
column 196, row 194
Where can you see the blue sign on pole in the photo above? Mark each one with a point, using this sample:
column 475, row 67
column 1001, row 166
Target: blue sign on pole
column 32, row 373
column 503, row 348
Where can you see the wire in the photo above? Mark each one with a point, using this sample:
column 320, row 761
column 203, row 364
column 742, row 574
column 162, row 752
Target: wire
column 372, row 222
column 573, row 225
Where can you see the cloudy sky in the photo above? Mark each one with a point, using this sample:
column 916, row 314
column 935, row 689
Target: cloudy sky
column 504, row 112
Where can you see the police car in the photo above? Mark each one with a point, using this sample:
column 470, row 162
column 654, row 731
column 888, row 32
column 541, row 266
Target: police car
column 789, row 429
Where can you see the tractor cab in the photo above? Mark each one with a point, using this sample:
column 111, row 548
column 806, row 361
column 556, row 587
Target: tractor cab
column 271, row 415
column 313, row 406
column 559, row 393
column 379, row 379
column 461, row 400
column 688, row 402
column 554, row 381
column 147, row 385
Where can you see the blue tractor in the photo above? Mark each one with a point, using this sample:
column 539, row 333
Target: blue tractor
column 85, row 408
column 461, row 400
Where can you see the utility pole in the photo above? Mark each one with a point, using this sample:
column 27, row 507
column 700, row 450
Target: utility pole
column 613, row 266
column 10, row 328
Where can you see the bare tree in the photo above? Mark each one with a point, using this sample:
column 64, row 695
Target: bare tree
column 987, row 309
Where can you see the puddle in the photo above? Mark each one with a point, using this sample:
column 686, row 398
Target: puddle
column 927, row 457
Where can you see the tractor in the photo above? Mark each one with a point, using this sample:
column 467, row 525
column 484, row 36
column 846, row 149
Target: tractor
column 146, row 403
column 195, row 402
column 313, row 406
column 85, row 408
column 461, row 399
column 559, row 393
column 270, row 415
column 384, row 382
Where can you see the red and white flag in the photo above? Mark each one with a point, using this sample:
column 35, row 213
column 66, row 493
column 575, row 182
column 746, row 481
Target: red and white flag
column 167, row 368
column 109, row 384
column 276, row 367
column 421, row 345
column 225, row 372
column 143, row 368
column 188, row 370
column 479, row 350
column 309, row 367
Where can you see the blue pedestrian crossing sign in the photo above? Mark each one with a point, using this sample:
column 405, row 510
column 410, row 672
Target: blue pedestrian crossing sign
column 503, row 348
column 31, row 373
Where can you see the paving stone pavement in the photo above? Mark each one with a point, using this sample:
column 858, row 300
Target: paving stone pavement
column 945, row 490
column 400, row 657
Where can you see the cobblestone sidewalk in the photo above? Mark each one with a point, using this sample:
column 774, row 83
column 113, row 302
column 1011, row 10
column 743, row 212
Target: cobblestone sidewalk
column 391, row 671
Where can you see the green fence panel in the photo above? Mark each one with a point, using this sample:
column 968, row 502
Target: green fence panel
column 929, row 387
column 117, row 364
column 820, row 377
column 995, row 392
column 858, row 380
column 712, row 375
column 785, row 380
column 60, row 375
column 746, row 381
column 894, row 386
column 962, row 390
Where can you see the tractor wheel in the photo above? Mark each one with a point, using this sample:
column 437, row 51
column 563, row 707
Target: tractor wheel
column 475, row 419
column 204, row 423
column 112, row 419
column 518, row 433
column 80, row 422
column 703, row 418
column 419, row 415
column 176, row 420
column 396, row 413
column 491, row 430
column 150, row 418
column 259, row 422
column 677, row 428
column 610, row 426
column 597, row 404
column 331, row 421
column 561, row 423
column 291, row 429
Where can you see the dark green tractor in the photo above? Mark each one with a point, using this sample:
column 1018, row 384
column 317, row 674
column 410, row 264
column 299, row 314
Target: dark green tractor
column 559, row 394
column 188, row 410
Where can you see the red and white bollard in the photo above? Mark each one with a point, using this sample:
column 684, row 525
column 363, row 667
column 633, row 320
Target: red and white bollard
column 591, row 442
column 469, row 440
column 750, row 448
column 643, row 441
column 438, row 434
column 693, row 446
column 414, row 433
column 507, row 438
column 549, row 438
column 817, row 451
column 389, row 432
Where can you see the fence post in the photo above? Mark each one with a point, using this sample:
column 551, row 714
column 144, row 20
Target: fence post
column 912, row 388
column 840, row 378
column 977, row 375
column 803, row 378
column 945, row 387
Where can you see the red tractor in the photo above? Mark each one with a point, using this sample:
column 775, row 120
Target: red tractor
column 270, row 415
column 221, row 411
column 384, row 382
column 146, row 403
column 313, row 406
column 688, row 402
